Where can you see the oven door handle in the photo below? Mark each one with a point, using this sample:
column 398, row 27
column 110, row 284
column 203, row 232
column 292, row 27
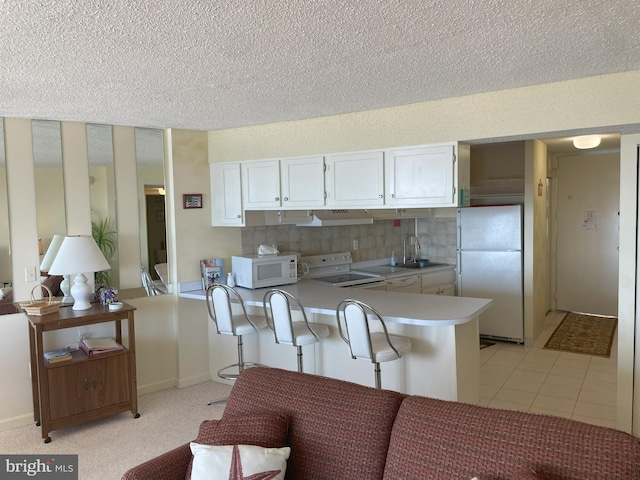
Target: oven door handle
column 381, row 283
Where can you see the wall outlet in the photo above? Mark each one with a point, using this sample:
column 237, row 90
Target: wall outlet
column 355, row 244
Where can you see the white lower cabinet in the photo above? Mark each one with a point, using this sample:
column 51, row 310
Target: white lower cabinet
column 406, row 284
column 439, row 283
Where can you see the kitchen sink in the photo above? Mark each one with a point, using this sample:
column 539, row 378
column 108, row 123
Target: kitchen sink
column 421, row 264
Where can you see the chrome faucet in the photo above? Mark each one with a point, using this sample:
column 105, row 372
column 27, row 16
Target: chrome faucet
column 404, row 248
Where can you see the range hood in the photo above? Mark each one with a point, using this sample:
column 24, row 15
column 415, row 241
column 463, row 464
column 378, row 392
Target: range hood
column 327, row 218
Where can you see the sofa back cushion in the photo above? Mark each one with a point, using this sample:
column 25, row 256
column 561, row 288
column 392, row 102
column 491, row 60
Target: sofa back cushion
column 337, row 429
column 435, row 439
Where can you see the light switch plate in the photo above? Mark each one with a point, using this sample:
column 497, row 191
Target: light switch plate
column 30, row 274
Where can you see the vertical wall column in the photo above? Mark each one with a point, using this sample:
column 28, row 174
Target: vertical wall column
column 127, row 207
column 75, row 162
column 18, row 143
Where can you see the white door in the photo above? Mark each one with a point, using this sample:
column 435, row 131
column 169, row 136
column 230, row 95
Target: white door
column 588, row 207
column 420, row 176
column 496, row 275
column 302, row 182
column 226, row 195
column 355, row 179
column 261, row 184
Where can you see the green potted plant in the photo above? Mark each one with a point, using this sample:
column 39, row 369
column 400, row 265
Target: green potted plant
column 106, row 239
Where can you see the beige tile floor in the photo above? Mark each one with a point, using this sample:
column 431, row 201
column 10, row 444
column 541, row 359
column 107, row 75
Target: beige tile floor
column 533, row 379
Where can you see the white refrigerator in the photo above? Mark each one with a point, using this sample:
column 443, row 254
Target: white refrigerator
column 490, row 266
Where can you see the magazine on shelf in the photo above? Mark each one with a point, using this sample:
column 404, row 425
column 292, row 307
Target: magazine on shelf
column 59, row 355
column 96, row 346
column 210, row 272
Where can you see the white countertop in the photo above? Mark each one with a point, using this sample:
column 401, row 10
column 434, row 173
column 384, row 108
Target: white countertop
column 404, row 308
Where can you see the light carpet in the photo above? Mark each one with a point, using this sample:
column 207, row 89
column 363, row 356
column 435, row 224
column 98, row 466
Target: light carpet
column 584, row 333
column 109, row 447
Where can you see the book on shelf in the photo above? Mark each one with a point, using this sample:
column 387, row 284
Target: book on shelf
column 211, row 272
column 96, row 346
column 58, row 355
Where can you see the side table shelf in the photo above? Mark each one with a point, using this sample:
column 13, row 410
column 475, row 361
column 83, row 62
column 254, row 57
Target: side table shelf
column 85, row 388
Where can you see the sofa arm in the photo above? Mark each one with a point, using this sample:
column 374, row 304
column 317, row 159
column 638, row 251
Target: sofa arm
column 168, row 466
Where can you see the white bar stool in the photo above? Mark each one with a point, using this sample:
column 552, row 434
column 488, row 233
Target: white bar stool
column 220, row 298
column 277, row 310
column 373, row 346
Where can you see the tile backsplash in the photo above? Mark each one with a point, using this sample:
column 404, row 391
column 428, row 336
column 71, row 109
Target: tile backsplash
column 439, row 236
column 377, row 240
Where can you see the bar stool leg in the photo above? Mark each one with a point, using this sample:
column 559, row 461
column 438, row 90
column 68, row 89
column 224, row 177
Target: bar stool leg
column 240, row 354
column 299, row 358
column 377, row 372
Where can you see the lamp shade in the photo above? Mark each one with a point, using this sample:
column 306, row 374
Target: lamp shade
column 52, row 251
column 78, row 255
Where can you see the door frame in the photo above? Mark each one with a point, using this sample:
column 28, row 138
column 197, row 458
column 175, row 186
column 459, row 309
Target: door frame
column 628, row 393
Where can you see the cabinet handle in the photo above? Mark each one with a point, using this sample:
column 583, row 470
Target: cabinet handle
column 380, row 196
column 86, row 384
column 277, row 199
column 238, row 216
column 286, row 199
column 391, row 195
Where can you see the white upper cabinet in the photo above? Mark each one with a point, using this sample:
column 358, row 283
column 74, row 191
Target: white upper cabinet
column 421, row 176
column 355, row 179
column 261, row 184
column 302, row 182
column 226, row 195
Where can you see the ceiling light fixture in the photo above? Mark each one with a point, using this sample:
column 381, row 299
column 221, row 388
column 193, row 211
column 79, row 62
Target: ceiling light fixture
column 586, row 141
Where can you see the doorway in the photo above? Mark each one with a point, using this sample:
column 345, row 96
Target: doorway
column 156, row 232
column 587, row 232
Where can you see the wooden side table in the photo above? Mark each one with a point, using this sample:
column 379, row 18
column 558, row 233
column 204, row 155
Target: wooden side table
column 85, row 388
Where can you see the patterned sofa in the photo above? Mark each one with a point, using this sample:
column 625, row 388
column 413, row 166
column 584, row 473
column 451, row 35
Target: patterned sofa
column 340, row 430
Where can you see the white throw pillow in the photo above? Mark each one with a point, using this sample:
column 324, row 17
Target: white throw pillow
column 213, row 461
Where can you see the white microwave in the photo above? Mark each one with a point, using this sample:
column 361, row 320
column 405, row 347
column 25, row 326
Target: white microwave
column 255, row 271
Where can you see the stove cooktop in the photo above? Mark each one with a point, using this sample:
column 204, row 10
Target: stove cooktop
column 349, row 279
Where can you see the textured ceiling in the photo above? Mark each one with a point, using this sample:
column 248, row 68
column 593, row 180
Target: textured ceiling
column 209, row 65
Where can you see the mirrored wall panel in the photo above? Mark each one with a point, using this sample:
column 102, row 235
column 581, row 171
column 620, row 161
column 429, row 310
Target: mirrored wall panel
column 5, row 249
column 151, row 194
column 103, row 200
column 49, row 182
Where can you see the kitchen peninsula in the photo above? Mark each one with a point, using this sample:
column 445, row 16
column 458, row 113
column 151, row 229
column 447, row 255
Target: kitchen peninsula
column 443, row 363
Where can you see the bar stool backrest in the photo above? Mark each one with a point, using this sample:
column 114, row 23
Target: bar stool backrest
column 281, row 317
column 278, row 305
column 356, row 331
column 219, row 300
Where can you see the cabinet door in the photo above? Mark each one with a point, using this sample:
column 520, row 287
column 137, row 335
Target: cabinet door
column 448, row 290
column 355, row 179
column 302, row 182
column 226, row 195
column 261, row 184
column 420, row 176
column 83, row 387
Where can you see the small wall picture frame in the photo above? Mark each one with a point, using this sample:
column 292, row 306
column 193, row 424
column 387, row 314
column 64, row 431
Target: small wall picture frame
column 192, row 200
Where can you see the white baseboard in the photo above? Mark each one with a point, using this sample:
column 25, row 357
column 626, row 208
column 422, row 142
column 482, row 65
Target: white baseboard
column 156, row 387
column 19, row 421
column 187, row 382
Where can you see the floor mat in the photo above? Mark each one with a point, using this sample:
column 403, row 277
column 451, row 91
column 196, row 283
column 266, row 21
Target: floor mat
column 584, row 333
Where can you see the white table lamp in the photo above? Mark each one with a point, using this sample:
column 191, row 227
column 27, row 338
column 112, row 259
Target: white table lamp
column 47, row 261
column 77, row 255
